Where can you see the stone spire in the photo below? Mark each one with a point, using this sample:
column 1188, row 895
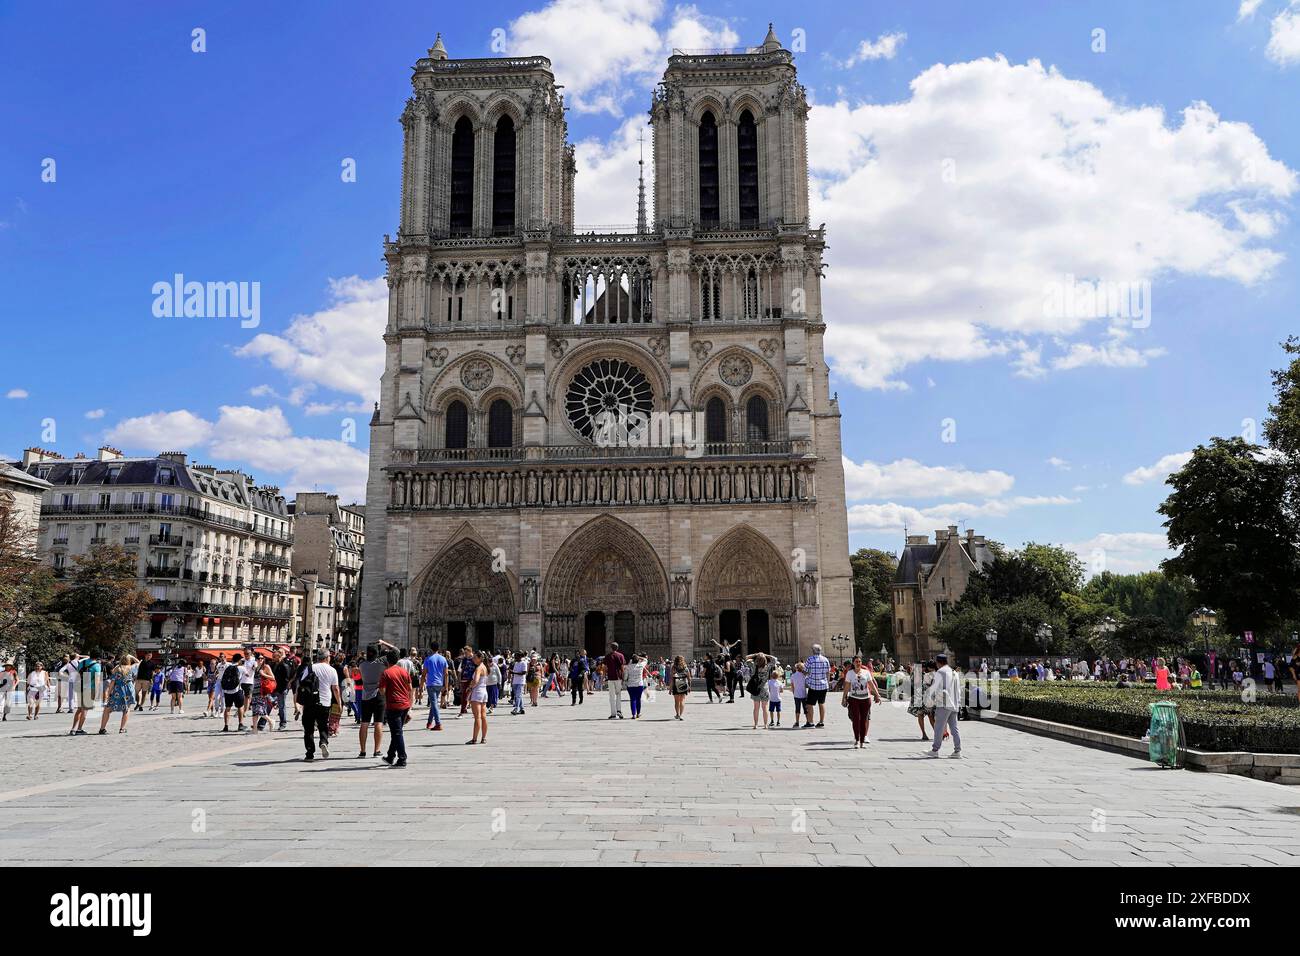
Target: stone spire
column 641, row 226
column 770, row 42
column 438, row 51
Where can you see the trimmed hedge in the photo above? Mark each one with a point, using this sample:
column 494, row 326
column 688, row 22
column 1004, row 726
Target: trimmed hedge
column 1212, row 720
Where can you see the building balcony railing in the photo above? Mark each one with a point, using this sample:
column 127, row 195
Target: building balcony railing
column 204, row 609
column 98, row 540
column 166, row 540
column 155, row 572
column 132, row 539
column 273, row 560
column 274, row 586
column 173, row 511
column 59, row 542
column 563, row 453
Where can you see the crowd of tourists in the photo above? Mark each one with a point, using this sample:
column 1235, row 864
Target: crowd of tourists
column 262, row 690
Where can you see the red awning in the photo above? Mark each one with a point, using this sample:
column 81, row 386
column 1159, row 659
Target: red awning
column 221, row 655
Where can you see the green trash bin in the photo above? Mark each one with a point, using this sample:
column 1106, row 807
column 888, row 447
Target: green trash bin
column 1164, row 738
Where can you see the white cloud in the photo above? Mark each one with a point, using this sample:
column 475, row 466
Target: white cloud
column 884, row 47
column 1059, row 463
column 1128, row 552
column 605, row 52
column 1247, row 9
column 95, row 414
column 16, row 393
column 893, row 517
column 607, row 172
column 1166, row 466
column 1284, row 37
column 341, row 347
column 1050, row 179
column 255, row 439
column 907, row 478
column 160, row 431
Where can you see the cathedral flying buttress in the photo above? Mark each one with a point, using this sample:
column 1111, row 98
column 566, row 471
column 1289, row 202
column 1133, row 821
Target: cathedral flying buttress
column 592, row 434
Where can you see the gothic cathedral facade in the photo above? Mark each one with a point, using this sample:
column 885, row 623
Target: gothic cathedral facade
column 502, row 509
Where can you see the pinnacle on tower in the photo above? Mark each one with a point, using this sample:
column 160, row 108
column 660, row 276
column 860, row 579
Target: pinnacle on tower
column 770, row 42
column 641, row 226
column 438, row 51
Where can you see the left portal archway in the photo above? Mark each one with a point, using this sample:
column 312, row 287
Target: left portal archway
column 462, row 598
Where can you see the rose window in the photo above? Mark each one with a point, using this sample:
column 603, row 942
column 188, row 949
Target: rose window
column 605, row 393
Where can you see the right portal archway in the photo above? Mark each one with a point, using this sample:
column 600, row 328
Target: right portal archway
column 746, row 595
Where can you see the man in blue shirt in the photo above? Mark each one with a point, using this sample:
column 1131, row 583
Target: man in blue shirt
column 578, row 678
column 435, row 675
column 818, row 669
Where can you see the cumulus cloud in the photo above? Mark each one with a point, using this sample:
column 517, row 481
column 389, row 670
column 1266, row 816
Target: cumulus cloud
column 883, row 47
column 340, row 347
column 956, row 211
column 1162, row 469
column 259, row 439
column 607, row 172
column 1247, row 9
column 1284, row 36
column 95, row 414
column 1129, row 552
column 892, row 517
column 907, row 478
column 606, row 52
column 16, row 393
column 160, row 431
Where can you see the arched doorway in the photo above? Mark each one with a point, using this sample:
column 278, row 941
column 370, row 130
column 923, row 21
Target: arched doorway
column 463, row 601
column 745, row 595
column 606, row 584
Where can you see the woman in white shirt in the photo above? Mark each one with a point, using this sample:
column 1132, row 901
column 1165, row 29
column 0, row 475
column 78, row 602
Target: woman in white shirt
column 37, row 683
column 634, row 681
column 859, row 689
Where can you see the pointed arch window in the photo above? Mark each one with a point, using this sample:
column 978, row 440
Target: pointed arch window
column 503, row 178
column 457, row 425
column 747, row 168
column 501, row 424
column 715, row 421
column 462, row 177
column 708, row 160
column 756, row 418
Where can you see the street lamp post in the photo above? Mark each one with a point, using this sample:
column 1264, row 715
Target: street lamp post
column 1043, row 636
column 992, row 637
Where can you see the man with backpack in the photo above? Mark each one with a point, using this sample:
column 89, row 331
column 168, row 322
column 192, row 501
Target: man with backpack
column 578, row 677
column 231, row 678
column 614, row 664
column 318, row 690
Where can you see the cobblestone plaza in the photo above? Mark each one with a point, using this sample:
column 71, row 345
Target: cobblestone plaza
column 563, row 785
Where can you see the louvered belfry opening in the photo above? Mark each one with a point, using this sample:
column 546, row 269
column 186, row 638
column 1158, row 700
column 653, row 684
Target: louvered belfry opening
column 503, row 178
column 747, row 168
column 462, row 178
column 708, row 170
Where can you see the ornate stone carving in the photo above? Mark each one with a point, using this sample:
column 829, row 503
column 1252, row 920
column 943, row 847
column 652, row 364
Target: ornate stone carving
column 436, row 356
column 396, row 592
column 476, row 375
column 682, row 590
column 736, row 370
column 768, row 346
column 658, row 346
column 515, row 353
column 559, row 347
column 529, row 588
column 808, row 590
column 702, row 349
column 462, row 586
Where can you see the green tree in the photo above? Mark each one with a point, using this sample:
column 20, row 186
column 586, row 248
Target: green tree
column 27, row 592
column 1045, row 572
column 101, row 601
column 1237, row 537
column 873, row 573
column 1282, row 426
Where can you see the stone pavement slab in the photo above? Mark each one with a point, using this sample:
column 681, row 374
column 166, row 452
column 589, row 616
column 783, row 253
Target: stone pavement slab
column 564, row 785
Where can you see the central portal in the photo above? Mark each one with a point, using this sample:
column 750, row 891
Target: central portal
column 594, row 634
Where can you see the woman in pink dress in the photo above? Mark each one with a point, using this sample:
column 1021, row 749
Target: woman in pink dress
column 1162, row 675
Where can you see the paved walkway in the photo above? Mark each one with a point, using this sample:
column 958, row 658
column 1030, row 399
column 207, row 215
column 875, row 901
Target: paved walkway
column 565, row 785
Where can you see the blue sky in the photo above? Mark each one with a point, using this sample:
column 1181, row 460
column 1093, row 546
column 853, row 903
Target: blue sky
column 967, row 158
